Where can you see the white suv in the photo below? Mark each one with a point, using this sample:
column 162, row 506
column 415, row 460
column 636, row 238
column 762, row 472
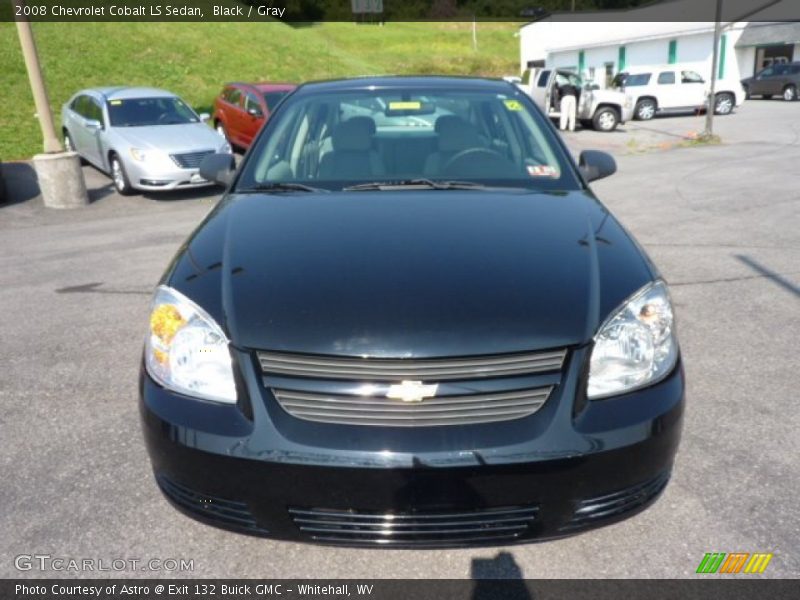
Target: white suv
column 672, row 88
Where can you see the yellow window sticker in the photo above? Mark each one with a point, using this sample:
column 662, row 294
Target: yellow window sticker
column 116, row 102
column 405, row 105
column 515, row 105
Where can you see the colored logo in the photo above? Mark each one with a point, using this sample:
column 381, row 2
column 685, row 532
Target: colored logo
column 735, row 562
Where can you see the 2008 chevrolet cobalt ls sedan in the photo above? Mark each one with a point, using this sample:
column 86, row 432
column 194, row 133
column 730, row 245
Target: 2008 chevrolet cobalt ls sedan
column 409, row 322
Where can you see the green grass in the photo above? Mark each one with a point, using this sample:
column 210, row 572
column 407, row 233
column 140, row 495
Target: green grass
column 195, row 59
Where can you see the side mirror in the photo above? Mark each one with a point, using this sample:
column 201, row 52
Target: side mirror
column 255, row 112
column 93, row 124
column 594, row 164
column 218, row 168
column 204, row 117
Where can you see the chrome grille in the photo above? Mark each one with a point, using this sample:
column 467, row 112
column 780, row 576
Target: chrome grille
column 435, row 369
column 381, row 411
column 414, row 528
column 221, row 511
column 608, row 506
column 190, row 160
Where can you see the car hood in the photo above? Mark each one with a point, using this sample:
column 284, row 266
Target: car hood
column 188, row 137
column 409, row 273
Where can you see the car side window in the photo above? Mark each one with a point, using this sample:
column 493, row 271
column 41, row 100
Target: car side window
column 667, row 77
column 94, row 111
column 251, row 103
column 766, row 72
column 782, row 70
column 80, row 106
column 543, row 77
column 233, row 96
column 691, row 77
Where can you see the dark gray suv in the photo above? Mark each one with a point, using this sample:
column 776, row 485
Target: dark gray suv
column 776, row 80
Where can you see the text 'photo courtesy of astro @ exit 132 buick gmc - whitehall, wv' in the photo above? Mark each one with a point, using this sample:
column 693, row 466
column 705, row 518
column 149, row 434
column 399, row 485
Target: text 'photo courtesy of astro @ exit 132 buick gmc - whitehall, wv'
column 410, row 305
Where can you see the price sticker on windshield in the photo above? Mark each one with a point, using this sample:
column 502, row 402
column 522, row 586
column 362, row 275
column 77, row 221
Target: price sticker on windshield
column 514, row 105
column 542, row 171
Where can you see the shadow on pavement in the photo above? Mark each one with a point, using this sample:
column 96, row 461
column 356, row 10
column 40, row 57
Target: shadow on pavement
column 769, row 274
column 487, row 571
column 21, row 183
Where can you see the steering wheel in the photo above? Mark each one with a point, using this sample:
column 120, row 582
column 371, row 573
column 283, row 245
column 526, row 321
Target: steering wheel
column 480, row 162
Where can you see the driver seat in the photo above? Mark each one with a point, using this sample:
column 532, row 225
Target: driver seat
column 455, row 135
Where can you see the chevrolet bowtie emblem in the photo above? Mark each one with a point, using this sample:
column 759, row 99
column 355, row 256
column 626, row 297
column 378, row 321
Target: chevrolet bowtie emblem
column 411, row 391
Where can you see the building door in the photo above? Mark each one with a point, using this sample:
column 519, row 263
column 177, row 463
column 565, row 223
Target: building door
column 778, row 54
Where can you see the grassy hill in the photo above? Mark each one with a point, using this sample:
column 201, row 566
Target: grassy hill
column 195, row 59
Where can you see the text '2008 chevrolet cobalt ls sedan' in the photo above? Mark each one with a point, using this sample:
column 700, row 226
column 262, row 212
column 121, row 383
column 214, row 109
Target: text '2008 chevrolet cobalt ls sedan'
column 409, row 322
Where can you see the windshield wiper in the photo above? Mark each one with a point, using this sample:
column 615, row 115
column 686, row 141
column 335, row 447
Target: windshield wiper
column 276, row 186
column 415, row 183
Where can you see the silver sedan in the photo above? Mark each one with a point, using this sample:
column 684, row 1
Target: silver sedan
column 144, row 138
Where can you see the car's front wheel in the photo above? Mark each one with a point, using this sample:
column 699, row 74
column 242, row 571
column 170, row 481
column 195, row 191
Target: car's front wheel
column 645, row 109
column 605, row 119
column 790, row 93
column 121, row 182
column 723, row 104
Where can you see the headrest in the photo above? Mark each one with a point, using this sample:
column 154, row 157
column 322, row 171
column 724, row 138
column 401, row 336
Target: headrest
column 456, row 134
column 355, row 134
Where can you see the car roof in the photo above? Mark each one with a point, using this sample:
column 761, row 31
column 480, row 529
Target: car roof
column 127, row 93
column 266, row 86
column 404, row 82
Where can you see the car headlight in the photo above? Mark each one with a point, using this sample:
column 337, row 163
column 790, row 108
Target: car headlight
column 186, row 351
column 139, row 155
column 225, row 149
column 636, row 346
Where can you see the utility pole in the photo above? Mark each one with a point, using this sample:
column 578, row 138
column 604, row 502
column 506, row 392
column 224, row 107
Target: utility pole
column 711, row 100
column 40, row 99
column 59, row 173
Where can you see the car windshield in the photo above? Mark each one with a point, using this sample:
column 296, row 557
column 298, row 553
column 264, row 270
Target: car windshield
column 404, row 137
column 144, row 112
column 272, row 98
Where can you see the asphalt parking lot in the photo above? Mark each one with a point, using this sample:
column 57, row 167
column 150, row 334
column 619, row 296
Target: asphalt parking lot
column 722, row 222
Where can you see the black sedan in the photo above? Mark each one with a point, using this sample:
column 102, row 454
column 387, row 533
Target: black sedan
column 410, row 322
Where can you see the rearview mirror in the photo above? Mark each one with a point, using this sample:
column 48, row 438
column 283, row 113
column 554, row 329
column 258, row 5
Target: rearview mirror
column 218, row 168
column 594, row 164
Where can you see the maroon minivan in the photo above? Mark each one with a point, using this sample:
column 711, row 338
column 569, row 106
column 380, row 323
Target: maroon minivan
column 242, row 108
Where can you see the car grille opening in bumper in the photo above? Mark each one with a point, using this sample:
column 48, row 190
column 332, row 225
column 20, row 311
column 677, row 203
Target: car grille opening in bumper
column 414, row 528
column 447, row 410
column 609, row 506
column 190, row 160
column 435, row 369
column 232, row 514
column 321, row 388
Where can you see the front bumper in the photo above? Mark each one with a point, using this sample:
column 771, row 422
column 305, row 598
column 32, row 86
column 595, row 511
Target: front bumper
column 163, row 176
column 552, row 474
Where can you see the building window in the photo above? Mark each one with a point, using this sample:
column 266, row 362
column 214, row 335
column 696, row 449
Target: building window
column 673, row 52
column 621, row 59
column 722, row 44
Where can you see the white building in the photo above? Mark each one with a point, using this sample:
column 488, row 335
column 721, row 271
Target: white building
column 600, row 49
